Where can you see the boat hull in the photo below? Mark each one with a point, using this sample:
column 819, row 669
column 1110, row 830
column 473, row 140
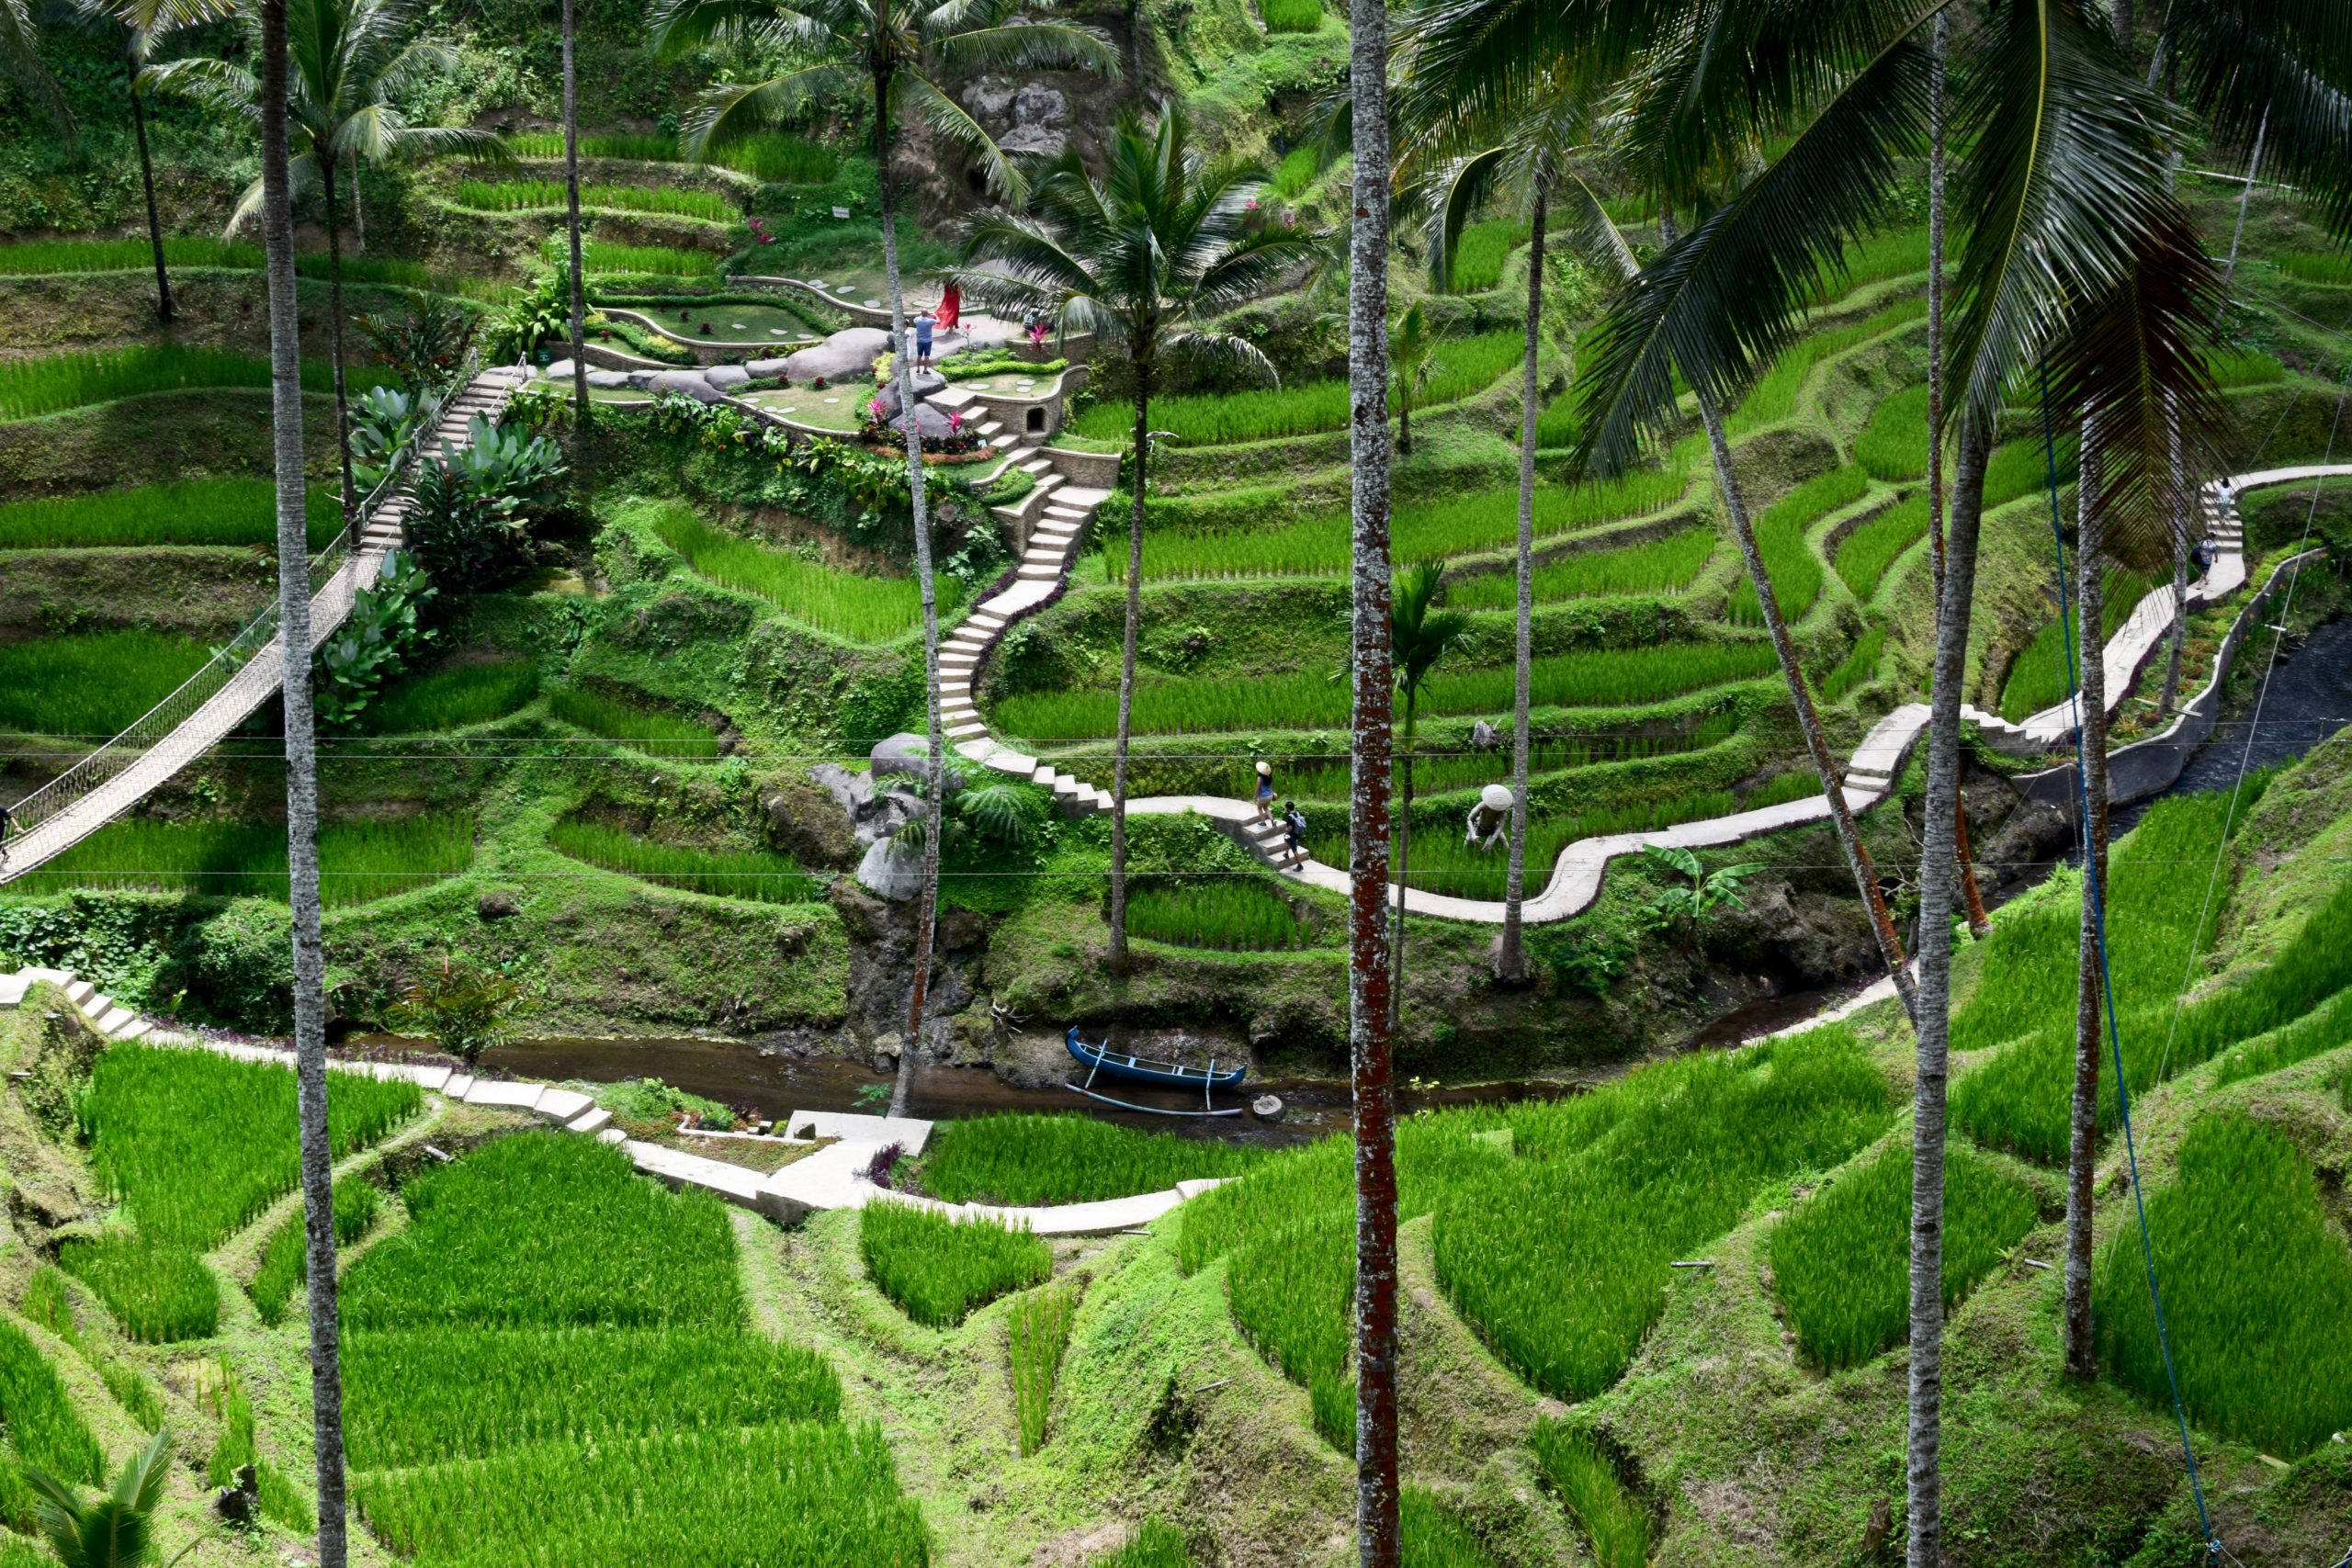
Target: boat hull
column 1135, row 1069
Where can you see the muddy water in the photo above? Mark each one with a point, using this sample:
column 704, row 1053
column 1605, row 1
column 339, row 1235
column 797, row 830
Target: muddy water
column 737, row 1073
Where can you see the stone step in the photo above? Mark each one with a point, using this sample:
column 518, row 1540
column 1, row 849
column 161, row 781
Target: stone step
column 1003, row 441
column 967, row 730
column 1038, row 573
column 1059, row 513
column 594, row 1120
column 1078, row 495
column 1046, row 555
column 1039, row 466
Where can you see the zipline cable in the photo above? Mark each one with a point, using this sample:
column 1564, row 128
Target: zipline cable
column 2093, row 891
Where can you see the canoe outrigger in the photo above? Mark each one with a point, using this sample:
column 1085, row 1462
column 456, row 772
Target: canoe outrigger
column 1169, row 1075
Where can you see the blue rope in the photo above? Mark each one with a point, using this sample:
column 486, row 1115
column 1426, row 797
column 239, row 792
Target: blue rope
column 2095, row 892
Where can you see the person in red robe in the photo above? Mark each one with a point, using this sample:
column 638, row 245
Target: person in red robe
column 951, row 307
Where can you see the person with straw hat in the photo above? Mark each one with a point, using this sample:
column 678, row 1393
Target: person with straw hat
column 1490, row 819
column 1265, row 793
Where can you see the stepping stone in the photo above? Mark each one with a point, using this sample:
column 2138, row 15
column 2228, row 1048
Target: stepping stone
column 964, row 731
column 458, row 1086
column 561, row 1105
column 594, row 1120
column 505, row 1096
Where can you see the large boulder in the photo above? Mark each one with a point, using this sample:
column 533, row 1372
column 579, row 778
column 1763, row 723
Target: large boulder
column 726, row 378
column 890, row 873
column 926, row 383
column 609, row 377
column 690, row 382
column 846, row 356
column 905, row 754
column 765, row 369
column 930, row 423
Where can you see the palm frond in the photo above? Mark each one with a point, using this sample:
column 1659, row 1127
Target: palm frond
column 1033, row 46
column 1720, row 302
column 1463, row 187
column 1225, row 353
column 2281, row 68
column 949, row 122
column 735, row 111
column 677, row 28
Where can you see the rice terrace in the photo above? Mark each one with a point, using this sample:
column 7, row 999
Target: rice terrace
column 1204, row 784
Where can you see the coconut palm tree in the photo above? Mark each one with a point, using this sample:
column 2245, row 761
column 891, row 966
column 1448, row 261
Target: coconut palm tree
column 893, row 50
column 349, row 60
column 144, row 24
column 571, row 225
column 1371, row 978
column 1142, row 259
column 117, row 1530
column 271, row 99
column 1412, row 360
column 1419, row 634
column 1472, row 144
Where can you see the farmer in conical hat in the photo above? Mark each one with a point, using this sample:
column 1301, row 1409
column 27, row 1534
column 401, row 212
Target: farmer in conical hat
column 1265, row 793
column 1490, row 819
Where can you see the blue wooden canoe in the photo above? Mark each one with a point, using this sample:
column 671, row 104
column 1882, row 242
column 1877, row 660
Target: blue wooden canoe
column 1169, row 1074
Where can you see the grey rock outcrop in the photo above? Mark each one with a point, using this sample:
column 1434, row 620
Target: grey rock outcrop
column 848, row 354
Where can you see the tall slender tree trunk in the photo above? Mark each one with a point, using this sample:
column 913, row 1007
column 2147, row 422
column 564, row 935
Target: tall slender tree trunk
column 571, row 230
column 1510, row 955
column 1404, row 422
column 2082, row 1143
column 1125, row 737
column 1404, row 871
column 1980, row 924
column 1931, row 1020
column 358, row 212
column 1371, row 1044
column 934, row 786
column 147, row 182
column 2189, row 518
column 1833, row 782
column 334, row 338
column 301, row 790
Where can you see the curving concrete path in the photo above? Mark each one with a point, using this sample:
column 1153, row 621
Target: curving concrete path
column 1575, row 876
column 833, row 1177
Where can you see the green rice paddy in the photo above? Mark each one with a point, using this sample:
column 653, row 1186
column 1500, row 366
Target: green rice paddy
column 1291, row 15
column 635, row 725
column 453, row 698
column 159, row 1292
column 1227, row 915
column 1603, row 678
column 1037, row 1334
column 1788, row 560
column 1022, row 1160
column 31, row 388
column 776, row 157
column 1774, row 396
column 2257, row 1286
column 762, row 876
column 358, row 861
column 44, row 1430
column 558, row 1350
column 1614, row 1522
column 1479, row 255
column 664, row 261
column 284, row 1260
column 1841, row 1261
column 1465, row 365
column 1484, row 519
column 191, row 511
column 1660, row 566
column 2040, row 674
column 1864, row 554
column 91, row 685
column 938, row 1269
column 861, row 609
column 526, row 196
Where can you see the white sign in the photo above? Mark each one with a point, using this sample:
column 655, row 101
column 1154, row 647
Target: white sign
column 840, row 212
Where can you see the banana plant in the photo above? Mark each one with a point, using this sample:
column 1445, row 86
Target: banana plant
column 1703, row 894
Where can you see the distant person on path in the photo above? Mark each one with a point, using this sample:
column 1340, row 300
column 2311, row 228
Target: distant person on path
column 951, row 308
column 6, row 823
column 2228, row 493
column 1265, row 793
column 1490, row 819
column 2201, row 556
column 923, row 324
column 1294, row 834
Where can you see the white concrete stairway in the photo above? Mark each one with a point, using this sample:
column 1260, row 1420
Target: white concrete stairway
column 146, row 762
column 1575, row 880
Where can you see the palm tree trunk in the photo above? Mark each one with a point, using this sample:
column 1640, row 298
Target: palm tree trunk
column 1980, row 924
column 302, row 791
column 1889, row 943
column 1404, row 866
column 358, row 212
column 571, row 224
column 334, row 338
column 1511, row 956
column 934, row 787
column 1370, row 1042
column 1931, row 1020
column 147, row 180
column 1118, row 957
column 2082, row 1148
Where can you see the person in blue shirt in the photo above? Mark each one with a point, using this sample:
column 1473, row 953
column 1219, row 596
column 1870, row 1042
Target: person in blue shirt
column 924, row 324
column 1265, row 793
